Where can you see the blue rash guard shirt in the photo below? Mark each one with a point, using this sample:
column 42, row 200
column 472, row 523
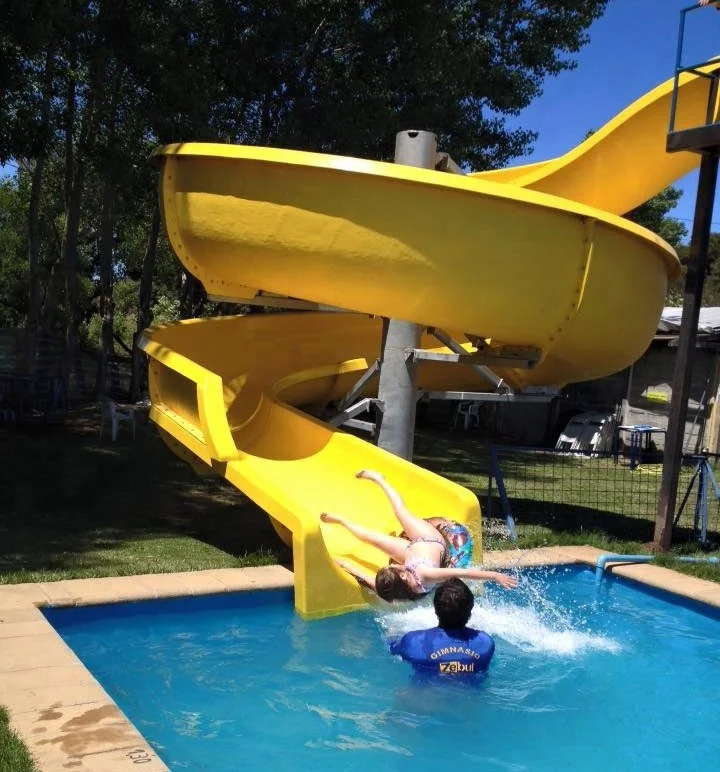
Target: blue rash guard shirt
column 446, row 652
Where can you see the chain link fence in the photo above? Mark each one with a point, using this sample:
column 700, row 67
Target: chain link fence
column 616, row 493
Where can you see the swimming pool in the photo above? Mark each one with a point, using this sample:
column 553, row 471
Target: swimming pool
column 625, row 679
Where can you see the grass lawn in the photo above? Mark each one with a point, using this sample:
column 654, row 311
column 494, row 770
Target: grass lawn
column 13, row 754
column 76, row 506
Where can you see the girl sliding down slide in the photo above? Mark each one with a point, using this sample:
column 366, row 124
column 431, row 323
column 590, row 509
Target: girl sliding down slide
column 423, row 555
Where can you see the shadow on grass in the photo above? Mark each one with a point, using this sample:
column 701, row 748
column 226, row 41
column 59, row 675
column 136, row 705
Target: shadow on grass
column 568, row 518
column 75, row 504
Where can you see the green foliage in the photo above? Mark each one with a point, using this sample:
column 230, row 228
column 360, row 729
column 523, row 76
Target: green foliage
column 655, row 216
column 125, row 314
column 165, row 310
column 13, row 261
column 711, row 290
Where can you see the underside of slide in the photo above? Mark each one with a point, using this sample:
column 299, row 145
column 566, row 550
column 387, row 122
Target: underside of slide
column 533, row 259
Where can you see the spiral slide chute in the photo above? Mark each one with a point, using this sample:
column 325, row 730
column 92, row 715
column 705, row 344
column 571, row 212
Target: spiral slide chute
column 532, row 258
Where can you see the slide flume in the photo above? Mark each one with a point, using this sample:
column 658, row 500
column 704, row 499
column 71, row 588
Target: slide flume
column 534, row 257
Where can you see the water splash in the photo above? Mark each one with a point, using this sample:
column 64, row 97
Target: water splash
column 527, row 628
column 527, row 619
column 495, row 529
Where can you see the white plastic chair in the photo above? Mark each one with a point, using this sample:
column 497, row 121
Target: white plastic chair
column 470, row 414
column 112, row 414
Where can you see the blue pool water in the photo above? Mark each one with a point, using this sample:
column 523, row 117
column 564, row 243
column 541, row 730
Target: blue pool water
column 625, row 679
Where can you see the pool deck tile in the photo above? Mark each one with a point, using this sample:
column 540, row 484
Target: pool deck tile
column 22, row 628
column 691, row 587
column 93, row 735
column 28, row 613
column 20, row 596
column 31, row 651
column 178, row 585
column 262, row 577
column 84, row 592
column 60, row 676
column 701, row 590
column 67, row 719
column 44, row 696
column 540, row 557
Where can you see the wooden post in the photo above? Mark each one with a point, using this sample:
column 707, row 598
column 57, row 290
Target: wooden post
column 695, row 281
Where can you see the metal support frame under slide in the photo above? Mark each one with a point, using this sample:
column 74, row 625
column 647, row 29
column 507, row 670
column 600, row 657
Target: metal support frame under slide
column 348, row 418
column 486, row 396
column 461, row 354
column 348, row 408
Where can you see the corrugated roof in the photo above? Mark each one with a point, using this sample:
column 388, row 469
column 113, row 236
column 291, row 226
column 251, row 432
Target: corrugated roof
column 709, row 322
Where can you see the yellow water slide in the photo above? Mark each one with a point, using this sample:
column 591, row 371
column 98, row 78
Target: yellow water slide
column 535, row 258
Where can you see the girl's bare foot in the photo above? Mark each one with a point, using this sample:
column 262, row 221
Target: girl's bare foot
column 369, row 474
column 326, row 517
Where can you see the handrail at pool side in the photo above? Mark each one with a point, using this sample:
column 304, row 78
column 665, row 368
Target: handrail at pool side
column 603, row 560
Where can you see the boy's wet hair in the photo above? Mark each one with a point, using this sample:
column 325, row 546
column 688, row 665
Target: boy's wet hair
column 390, row 586
column 453, row 603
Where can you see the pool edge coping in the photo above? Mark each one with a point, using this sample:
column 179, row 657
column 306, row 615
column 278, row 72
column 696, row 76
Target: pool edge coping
column 68, row 721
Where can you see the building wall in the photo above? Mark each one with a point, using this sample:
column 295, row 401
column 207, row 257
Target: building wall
column 652, row 381
column 644, row 392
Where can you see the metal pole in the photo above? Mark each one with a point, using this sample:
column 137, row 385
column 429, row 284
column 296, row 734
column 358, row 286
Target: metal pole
column 397, row 389
column 694, row 283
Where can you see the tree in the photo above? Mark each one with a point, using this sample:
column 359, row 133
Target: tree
column 345, row 77
column 88, row 88
column 13, row 266
column 655, row 216
column 711, row 290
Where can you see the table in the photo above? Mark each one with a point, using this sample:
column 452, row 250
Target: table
column 640, row 438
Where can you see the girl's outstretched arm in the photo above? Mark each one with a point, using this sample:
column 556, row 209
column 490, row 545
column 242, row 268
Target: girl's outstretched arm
column 415, row 527
column 364, row 577
column 507, row 581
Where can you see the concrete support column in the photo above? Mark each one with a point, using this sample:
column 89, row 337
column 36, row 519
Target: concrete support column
column 397, row 391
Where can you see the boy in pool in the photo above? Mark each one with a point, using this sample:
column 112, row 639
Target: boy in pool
column 426, row 553
column 452, row 648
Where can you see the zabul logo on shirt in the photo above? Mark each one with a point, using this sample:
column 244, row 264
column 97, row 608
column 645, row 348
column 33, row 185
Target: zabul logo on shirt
column 456, row 667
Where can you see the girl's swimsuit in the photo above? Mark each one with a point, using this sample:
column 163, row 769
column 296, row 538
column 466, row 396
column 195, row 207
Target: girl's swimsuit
column 411, row 568
column 456, row 541
column 431, row 540
column 412, row 564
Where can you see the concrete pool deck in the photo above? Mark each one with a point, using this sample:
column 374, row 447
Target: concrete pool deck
column 69, row 722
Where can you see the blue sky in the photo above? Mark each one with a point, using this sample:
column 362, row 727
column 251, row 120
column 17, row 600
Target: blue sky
column 632, row 48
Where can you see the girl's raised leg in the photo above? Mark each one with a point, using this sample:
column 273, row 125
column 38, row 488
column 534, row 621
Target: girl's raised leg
column 415, row 527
